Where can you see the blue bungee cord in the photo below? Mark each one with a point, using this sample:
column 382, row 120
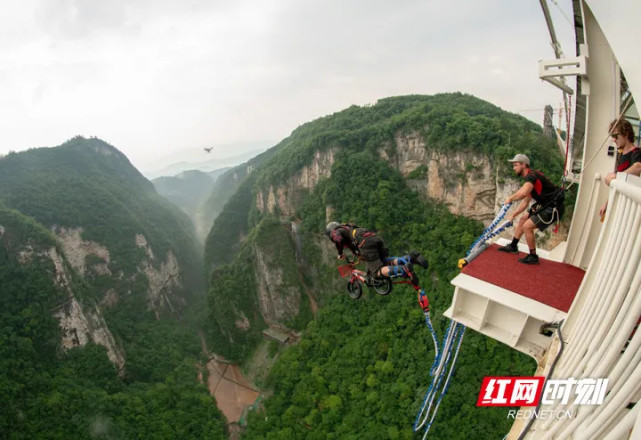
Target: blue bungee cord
column 481, row 243
column 459, row 331
column 453, row 338
column 439, row 387
column 424, row 303
column 492, row 229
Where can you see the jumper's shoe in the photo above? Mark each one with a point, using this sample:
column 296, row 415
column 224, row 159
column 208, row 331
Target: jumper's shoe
column 529, row 259
column 509, row 248
column 417, row 258
column 409, row 272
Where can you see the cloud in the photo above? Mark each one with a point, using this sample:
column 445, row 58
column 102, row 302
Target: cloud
column 154, row 77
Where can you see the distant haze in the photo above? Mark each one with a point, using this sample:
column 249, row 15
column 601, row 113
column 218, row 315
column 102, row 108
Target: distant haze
column 200, row 159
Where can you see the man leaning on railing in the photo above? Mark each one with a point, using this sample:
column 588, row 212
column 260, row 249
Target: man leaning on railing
column 628, row 154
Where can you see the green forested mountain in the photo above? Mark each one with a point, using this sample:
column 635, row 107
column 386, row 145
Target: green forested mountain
column 88, row 184
column 361, row 367
column 100, row 277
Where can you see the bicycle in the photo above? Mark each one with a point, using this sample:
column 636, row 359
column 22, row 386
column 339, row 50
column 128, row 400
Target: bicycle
column 357, row 277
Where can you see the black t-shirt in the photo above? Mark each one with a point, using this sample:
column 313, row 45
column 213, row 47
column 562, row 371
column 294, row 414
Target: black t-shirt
column 543, row 191
column 625, row 161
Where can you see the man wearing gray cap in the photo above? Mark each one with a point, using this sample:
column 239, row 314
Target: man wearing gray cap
column 548, row 206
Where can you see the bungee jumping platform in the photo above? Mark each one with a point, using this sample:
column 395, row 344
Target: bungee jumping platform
column 510, row 301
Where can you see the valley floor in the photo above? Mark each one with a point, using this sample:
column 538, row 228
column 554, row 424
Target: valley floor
column 232, row 391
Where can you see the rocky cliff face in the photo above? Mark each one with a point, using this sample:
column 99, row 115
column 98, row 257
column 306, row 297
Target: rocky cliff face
column 77, row 250
column 82, row 322
column 279, row 300
column 162, row 280
column 286, row 198
column 466, row 183
column 88, row 257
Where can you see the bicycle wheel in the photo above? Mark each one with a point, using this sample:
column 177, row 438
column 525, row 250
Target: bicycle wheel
column 382, row 285
column 354, row 289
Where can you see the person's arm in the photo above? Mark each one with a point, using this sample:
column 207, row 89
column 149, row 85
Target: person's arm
column 603, row 210
column 635, row 169
column 339, row 248
column 338, row 241
column 609, row 178
column 522, row 207
column 522, row 193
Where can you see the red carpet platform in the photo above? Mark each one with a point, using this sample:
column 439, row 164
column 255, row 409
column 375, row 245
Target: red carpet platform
column 549, row 282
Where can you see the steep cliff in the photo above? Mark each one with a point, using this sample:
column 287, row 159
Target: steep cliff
column 138, row 253
column 60, row 363
column 32, row 248
column 467, row 182
column 285, row 198
column 224, row 188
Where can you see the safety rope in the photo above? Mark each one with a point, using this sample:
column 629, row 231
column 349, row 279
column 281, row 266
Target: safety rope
column 438, row 366
column 568, row 119
column 506, row 224
column 447, row 358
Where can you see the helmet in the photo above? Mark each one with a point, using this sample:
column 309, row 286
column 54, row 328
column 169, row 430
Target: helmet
column 330, row 227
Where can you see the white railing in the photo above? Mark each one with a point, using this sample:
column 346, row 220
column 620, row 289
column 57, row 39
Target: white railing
column 599, row 325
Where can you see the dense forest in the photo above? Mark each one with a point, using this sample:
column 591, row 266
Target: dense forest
column 49, row 390
column 224, row 188
column 362, row 366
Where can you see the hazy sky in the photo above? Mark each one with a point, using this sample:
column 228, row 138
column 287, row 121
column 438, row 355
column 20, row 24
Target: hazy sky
column 165, row 77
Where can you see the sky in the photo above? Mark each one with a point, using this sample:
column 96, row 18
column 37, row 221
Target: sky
column 162, row 79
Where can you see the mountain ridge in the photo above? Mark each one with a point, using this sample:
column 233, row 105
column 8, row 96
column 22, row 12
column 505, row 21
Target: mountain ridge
column 401, row 168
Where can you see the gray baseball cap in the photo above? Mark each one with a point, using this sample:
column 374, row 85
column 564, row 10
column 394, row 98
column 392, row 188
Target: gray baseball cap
column 520, row 158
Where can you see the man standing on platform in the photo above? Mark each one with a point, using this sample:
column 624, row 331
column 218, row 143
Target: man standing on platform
column 548, row 206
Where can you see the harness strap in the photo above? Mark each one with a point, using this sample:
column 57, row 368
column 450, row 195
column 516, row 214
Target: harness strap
column 359, row 237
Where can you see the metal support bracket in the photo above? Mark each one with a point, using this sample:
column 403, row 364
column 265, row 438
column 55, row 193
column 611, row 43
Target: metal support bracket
column 555, row 71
